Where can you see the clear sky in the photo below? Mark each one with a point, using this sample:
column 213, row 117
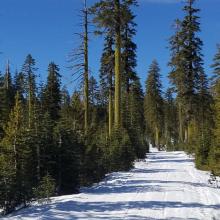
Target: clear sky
column 45, row 28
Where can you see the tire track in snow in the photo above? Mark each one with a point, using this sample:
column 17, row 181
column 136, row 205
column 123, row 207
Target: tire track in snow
column 138, row 192
column 165, row 193
column 201, row 195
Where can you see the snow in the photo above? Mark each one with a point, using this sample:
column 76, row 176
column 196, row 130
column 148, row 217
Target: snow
column 164, row 186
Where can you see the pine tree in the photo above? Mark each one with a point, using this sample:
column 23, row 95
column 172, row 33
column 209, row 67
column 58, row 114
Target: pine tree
column 129, row 61
column 106, row 78
column 51, row 99
column 106, row 71
column 170, row 121
column 154, row 104
column 204, row 121
column 187, row 65
column 7, row 183
column 17, row 159
column 215, row 150
column 77, row 113
column 216, row 66
column 93, row 91
column 67, row 151
column 7, row 97
column 86, row 69
column 136, row 125
column 19, row 84
column 28, row 70
column 117, row 110
column 215, row 159
column 114, row 23
column 121, row 152
column 177, row 74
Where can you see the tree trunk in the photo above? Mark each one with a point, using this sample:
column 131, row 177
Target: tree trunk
column 157, row 136
column 29, row 106
column 117, row 66
column 180, row 124
column 110, row 110
column 186, row 135
column 86, row 71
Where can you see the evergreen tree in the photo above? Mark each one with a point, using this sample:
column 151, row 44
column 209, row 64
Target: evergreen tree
column 204, row 121
column 93, row 91
column 215, row 150
column 121, row 145
column 170, row 121
column 7, row 183
column 28, row 70
column 136, row 125
column 7, row 97
column 114, row 22
column 215, row 154
column 17, row 159
column 129, row 62
column 117, row 110
column 67, row 161
column 154, row 104
column 106, row 78
column 216, row 66
column 177, row 75
column 86, row 69
column 77, row 113
column 52, row 95
column 187, row 65
column 19, row 81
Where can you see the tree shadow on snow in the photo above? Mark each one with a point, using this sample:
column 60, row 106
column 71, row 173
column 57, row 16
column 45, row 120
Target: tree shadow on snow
column 103, row 210
column 172, row 161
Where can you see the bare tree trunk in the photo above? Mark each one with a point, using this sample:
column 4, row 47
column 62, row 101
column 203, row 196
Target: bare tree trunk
column 86, row 70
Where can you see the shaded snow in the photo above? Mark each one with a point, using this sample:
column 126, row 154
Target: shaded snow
column 164, row 186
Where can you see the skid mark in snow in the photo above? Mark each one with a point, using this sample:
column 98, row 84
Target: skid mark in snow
column 164, row 187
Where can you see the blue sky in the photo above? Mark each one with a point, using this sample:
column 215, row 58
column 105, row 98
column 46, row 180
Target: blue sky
column 45, row 28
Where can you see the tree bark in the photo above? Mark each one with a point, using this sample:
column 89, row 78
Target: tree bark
column 117, row 65
column 86, row 70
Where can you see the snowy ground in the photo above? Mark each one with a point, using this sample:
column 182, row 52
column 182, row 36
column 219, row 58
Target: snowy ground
column 165, row 186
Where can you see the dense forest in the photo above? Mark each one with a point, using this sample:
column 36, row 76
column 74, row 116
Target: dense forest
column 54, row 141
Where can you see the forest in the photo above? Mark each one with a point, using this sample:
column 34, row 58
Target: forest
column 54, row 141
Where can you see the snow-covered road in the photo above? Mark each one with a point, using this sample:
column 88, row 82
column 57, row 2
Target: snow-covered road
column 165, row 186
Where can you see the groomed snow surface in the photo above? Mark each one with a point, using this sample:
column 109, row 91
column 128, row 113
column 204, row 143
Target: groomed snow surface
column 164, row 186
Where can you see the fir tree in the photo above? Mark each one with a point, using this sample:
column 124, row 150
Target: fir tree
column 114, row 22
column 106, row 78
column 154, row 103
column 67, row 161
column 170, row 121
column 19, row 81
column 187, row 65
column 28, row 70
column 77, row 113
column 136, row 125
column 7, row 97
column 215, row 150
column 216, row 66
column 17, row 157
column 52, row 94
